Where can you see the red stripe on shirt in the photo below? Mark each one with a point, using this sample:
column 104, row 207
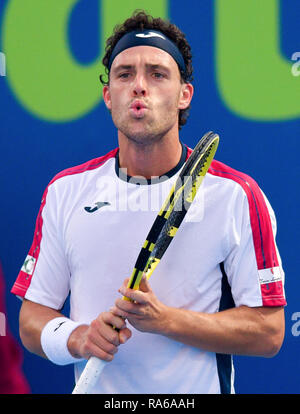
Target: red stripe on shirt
column 23, row 280
column 188, row 153
column 272, row 294
column 262, row 232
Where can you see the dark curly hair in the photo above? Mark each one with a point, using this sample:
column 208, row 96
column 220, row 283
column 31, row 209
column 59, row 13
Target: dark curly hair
column 140, row 21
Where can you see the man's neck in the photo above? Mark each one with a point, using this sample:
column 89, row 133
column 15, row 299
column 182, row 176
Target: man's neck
column 151, row 160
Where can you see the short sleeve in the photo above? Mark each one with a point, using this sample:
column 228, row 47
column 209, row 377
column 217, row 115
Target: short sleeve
column 44, row 277
column 253, row 265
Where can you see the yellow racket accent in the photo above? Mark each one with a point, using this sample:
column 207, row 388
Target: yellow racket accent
column 194, row 188
column 172, row 231
column 151, row 247
column 151, row 267
column 166, row 202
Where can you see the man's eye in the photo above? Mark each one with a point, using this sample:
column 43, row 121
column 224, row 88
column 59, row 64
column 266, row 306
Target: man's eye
column 124, row 75
column 158, row 75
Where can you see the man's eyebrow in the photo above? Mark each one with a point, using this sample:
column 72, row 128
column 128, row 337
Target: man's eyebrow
column 122, row 67
column 154, row 66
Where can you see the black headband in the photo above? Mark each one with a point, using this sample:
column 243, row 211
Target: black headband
column 148, row 38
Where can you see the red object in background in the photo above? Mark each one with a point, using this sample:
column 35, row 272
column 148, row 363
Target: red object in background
column 12, row 379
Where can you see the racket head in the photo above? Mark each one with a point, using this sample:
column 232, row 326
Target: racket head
column 199, row 149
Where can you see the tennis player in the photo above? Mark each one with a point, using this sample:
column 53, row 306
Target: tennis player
column 219, row 289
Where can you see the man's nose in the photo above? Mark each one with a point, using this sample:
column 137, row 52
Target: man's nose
column 139, row 88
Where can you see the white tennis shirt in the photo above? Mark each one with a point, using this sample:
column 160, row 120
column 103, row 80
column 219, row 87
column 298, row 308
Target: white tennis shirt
column 90, row 228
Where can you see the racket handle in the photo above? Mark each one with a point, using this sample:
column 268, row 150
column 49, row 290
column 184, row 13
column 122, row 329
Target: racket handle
column 89, row 376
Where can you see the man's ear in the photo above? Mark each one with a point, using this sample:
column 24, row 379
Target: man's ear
column 106, row 97
column 186, row 95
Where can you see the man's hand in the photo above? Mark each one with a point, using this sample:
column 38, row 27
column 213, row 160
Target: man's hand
column 145, row 312
column 99, row 339
column 241, row 330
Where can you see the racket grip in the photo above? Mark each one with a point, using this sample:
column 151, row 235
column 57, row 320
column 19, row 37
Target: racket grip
column 89, row 376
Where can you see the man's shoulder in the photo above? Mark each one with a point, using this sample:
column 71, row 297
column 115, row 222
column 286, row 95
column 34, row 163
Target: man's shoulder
column 238, row 186
column 86, row 166
column 224, row 171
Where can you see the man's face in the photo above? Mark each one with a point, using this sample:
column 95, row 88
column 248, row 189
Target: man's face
column 145, row 94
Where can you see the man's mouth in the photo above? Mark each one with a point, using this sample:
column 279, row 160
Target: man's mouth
column 138, row 109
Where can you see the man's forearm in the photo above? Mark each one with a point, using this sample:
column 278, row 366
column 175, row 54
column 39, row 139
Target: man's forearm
column 239, row 331
column 33, row 318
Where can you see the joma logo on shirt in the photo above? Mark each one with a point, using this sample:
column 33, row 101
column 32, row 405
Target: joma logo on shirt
column 97, row 206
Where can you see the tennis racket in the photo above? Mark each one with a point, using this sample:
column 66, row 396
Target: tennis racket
column 161, row 234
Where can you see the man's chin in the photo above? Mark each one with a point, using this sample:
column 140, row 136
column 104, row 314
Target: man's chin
column 143, row 133
column 140, row 134
column 143, row 138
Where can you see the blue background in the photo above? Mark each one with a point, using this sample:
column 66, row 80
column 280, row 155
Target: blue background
column 33, row 151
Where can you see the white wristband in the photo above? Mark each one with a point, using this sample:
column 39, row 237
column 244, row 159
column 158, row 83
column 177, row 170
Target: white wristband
column 54, row 339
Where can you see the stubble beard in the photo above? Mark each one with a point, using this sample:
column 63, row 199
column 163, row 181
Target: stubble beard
column 144, row 132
